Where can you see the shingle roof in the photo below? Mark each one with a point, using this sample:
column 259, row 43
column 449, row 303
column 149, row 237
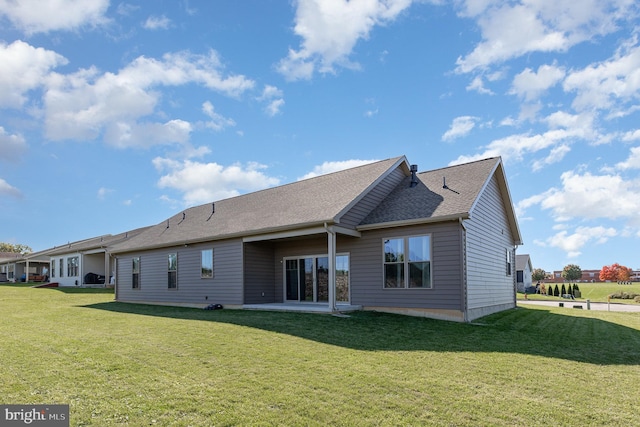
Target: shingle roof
column 94, row 242
column 296, row 205
column 430, row 199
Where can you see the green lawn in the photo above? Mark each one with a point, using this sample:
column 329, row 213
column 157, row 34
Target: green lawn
column 121, row 364
column 596, row 292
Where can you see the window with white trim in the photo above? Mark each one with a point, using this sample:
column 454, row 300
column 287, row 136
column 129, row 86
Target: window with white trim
column 509, row 261
column 206, row 263
column 53, row 268
column 135, row 273
column 172, row 279
column 407, row 262
column 72, row 266
column 61, row 267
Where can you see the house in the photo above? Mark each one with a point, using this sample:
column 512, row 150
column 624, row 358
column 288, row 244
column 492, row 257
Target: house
column 524, row 271
column 15, row 267
column 381, row 236
column 85, row 262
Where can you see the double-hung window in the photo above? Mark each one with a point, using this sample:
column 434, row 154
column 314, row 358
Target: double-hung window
column 172, row 280
column 135, row 273
column 61, row 267
column 407, row 262
column 53, row 268
column 72, row 266
column 509, row 261
column 206, row 265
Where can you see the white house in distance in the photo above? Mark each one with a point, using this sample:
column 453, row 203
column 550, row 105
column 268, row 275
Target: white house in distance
column 524, row 271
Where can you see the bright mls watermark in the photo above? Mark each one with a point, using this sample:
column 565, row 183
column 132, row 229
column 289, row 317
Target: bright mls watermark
column 34, row 415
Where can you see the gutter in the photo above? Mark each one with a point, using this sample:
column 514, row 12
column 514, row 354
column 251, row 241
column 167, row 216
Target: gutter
column 417, row 221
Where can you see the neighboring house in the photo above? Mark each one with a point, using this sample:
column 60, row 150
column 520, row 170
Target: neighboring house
column 524, row 271
column 8, row 261
column 380, row 237
column 15, row 267
column 85, row 262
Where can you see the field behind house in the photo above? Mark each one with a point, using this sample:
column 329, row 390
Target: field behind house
column 596, row 292
column 120, row 364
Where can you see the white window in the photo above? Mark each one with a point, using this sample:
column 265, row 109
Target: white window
column 172, row 280
column 509, row 262
column 135, row 273
column 72, row 266
column 206, row 265
column 407, row 262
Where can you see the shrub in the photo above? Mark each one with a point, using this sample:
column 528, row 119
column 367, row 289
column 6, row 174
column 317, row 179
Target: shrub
column 637, row 299
column 564, row 290
column 575, row 287
column 624, row 295
column 556, row 291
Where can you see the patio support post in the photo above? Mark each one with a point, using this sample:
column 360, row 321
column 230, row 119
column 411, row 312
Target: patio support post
column 331, row 243
column 107, row 268
column 26, row 277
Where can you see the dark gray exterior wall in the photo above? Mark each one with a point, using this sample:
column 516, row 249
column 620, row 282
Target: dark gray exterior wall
column 367, row 269
column 259, row 274
column 224, row 288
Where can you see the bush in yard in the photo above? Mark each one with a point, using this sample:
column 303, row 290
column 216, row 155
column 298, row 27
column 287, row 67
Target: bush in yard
column 550, row 291
column 556, row 291
column 624, row 295
column 564, row 290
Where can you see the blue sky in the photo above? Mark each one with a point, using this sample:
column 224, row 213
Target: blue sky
column 117, row 115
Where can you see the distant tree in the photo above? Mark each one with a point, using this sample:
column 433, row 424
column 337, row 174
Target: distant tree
column 571, row 272
column 615, row 272
column 538, row 274
column 15, row 248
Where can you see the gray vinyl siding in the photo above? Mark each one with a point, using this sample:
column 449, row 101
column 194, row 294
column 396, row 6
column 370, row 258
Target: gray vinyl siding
column 488, row 238
column 367, row 269
column 259, row 274
column 224, row 288
column 317, row 245
column 358, row 212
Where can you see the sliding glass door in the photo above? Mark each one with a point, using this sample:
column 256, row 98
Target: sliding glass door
column 307, row 279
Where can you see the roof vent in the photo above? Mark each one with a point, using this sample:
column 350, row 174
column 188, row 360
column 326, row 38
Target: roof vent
column 414, row 178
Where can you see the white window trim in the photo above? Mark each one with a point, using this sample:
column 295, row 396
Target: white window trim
column 201, row 253
column 406, row 261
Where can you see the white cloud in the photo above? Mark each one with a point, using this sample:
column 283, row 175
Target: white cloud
column 274, row 107
column 477, row 84
column 329, row 167
column 9, row 190
column 610, row 85
column 273, row 97
column 24, row 68
column 330, row 30
column 461, row 126
column 205, row 182
column 573, row 243
column 35, row 16
column 513, row 29
column 87, row 103
column 530, row 84
column 12, row 146
column 103, row 192
column 217, row 122
column 632, row 162
column 564, row 130
column 632, row 135
column 157, row 23
column 588, row 196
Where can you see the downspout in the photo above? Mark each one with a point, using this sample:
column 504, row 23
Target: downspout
column 331, row 243
column 463, row 272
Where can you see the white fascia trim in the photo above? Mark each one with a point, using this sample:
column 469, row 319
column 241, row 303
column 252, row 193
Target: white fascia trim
column 403, row 223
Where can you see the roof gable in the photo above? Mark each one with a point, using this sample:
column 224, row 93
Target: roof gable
column 440, row 194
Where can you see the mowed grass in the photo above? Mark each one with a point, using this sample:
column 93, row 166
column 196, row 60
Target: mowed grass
column 125, row 364
column 596, row 292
